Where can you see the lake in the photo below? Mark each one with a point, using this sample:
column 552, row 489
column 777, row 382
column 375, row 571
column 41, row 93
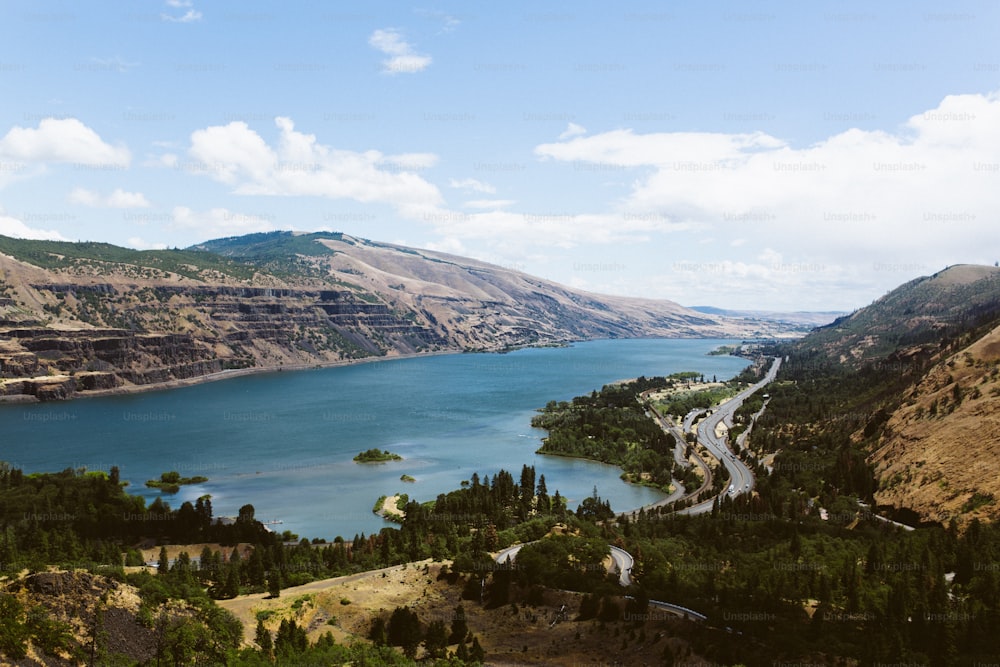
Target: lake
column 284, row 441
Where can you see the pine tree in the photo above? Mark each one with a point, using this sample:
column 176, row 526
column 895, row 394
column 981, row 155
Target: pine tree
column 459, row 627
column 462, row 653
column 436, row 639
column 163, row 564
column 377, row 633
column 264, row 640
column 542, row 493
column 476, row 653
column 274, row 583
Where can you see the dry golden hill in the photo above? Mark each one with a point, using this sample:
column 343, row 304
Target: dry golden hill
column 939, row 454
column 88, row 317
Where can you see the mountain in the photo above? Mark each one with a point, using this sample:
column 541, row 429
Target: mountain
column 90, row 317
column 803, row 320
column 923, row 311
column 939, row 453
column 915, row 379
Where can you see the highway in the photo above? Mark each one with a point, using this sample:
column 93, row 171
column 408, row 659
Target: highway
column 621, row 560
column 680, row 448
column 740, row 476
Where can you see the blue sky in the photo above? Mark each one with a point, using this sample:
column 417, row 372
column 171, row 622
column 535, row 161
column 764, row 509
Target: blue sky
column 744, row 155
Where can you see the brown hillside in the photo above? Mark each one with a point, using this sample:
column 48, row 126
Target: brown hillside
column 78, row 318
column 940, row 452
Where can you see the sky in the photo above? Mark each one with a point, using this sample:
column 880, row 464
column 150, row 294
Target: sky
column 765, row 155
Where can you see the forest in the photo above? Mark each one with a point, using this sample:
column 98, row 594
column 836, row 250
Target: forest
column 768, row 569
column 84, row 520
column 777, row 577
column 611, row 426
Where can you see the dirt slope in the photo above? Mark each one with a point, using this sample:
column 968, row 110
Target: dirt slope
column 940, row 453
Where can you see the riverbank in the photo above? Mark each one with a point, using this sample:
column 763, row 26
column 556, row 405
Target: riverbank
column 447, row 423
column 228, row 374
column 389, row 510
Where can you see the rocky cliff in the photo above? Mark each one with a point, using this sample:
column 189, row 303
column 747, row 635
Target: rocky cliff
column 83, row 317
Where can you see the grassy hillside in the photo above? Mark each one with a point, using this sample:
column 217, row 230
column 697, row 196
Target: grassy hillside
column 899, row 402
column 66, row 255
column 921, row 311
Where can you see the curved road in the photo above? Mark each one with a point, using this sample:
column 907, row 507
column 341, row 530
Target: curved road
column 624, row 562
column 741, row 478
column 621, row 559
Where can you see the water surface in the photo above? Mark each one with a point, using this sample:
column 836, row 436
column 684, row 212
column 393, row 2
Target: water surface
column 284, row 441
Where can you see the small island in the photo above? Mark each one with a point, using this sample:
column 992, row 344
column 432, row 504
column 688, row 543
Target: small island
column 170, row 482
column 407, row 478
column 392, row 508
column 376, row 456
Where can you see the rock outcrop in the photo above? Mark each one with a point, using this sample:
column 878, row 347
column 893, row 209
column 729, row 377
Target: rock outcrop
column 84, row 318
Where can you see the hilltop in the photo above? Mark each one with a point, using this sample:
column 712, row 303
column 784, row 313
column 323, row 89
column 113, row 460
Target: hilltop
column 93, row 317
column 912, row 381
column 922, row 311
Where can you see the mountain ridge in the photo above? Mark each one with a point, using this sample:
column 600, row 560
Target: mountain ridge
column 917, row 373
column 90, row 317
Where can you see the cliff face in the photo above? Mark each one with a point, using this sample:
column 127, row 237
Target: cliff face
column 90, row 317
column 209, row 329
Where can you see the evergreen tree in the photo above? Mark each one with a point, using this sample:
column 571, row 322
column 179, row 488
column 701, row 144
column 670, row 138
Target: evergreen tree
column 476, row 653
column 542, row 496
column 436, row 639
column 264, row 640
column 404, row 630
column 274, row 583
column 462, row 652
column 377, row 633
column 459, row 627
column 163, row 564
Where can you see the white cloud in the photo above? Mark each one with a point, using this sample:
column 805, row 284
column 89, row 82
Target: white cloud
column 448, row 22
column 625, row 148
column 190, row 16
column 141, row 244
column 535, row 230
column 168, row 160
column 112, row 64
column 402, row 58
column 489, row 203
column 411, row 161
column 62, row 140
column 573, row 130
column 298, row 165
column 449, row 245
column 220, row 222
column 919, row 194
column 472, row 184
column 117, row 199
column 13, row 227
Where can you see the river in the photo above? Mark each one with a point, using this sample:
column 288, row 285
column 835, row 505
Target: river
column 284, row 441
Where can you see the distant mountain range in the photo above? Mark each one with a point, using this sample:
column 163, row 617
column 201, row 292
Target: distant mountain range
column 93, row 317
column 805, row 319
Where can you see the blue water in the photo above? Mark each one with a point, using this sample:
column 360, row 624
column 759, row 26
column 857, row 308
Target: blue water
column 284, row 441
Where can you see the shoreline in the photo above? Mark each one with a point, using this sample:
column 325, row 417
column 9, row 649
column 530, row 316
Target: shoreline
column 26, row 399
column 125, row 390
